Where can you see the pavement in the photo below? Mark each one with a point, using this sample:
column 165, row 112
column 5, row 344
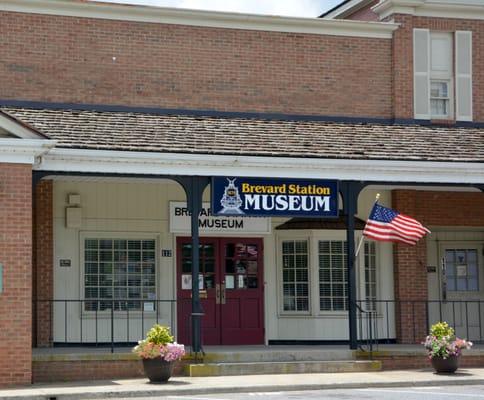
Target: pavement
column 129, row 388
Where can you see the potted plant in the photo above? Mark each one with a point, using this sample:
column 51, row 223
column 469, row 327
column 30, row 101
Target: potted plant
column 444, row 348
column 159, row 353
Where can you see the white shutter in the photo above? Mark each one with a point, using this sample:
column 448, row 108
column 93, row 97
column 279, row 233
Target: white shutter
column 463, row 75
column 421, row 73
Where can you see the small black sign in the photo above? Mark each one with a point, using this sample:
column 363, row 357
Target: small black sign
column 431, row 268
column 65, row 263
column 165, row 253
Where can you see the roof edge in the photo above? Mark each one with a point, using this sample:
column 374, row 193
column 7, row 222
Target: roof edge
column 215, row 19
column 38, row 105
column 344, row 9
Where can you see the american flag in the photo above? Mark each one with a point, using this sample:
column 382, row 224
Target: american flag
column 387, row 225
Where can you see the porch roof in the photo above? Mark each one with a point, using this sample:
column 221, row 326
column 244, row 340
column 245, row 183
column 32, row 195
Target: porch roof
column 171, row 133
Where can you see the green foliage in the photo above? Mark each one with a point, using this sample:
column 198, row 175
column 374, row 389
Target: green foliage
column 159, row 335
column 441, row 329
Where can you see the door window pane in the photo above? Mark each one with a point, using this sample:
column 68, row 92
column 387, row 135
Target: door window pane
column 461, row 270
column 333, row 285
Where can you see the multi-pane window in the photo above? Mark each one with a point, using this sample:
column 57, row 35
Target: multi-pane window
column 333, row 279
column 295, row 273
column 370, row 275
column 461, row 269
column 439, row 98
column 119, row 273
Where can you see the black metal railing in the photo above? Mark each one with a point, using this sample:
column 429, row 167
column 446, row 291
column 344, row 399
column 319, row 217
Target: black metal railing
column 408, row 321
column 98, row 322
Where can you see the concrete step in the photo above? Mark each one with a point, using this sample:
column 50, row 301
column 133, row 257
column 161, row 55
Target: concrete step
column 288, row 367
column 274, row 355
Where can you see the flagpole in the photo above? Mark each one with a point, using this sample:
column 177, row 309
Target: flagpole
column 362, row 237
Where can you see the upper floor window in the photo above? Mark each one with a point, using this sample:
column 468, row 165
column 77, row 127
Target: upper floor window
column 442, row 75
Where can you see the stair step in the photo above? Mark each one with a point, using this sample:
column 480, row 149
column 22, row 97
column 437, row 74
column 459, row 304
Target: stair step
column 252, row 356
column 288, row 367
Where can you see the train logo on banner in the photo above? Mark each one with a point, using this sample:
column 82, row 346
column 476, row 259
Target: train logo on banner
column 274, row 197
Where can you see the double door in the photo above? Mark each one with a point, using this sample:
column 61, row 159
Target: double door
column 231, row 290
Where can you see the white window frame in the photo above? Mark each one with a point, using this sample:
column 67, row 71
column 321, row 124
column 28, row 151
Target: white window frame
column 313, row 237
column 83, row 235
column 449, row 98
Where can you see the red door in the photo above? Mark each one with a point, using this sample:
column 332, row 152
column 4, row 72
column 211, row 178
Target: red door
column 231, row 279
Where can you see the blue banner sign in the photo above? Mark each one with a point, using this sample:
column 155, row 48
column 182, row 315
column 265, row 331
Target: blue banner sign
column 276, row 197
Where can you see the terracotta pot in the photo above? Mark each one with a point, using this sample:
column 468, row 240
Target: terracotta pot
column 447, row 365
column 158, row 370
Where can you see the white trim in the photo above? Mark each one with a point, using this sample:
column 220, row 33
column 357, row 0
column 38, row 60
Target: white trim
column 23, row 151
column 15, row 128
column 126, row 162
column 347, row 9
column 165, row 15
column 461, row 9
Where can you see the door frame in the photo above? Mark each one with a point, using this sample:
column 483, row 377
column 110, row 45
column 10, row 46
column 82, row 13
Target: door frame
column 219, row 278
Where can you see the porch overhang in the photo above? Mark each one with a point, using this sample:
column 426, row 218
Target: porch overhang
column 149, row 163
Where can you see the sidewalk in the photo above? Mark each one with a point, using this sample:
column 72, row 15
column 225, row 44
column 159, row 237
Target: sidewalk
column 241, row 384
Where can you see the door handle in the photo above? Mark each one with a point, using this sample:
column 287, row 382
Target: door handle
column 222, row 290
column 217, row 293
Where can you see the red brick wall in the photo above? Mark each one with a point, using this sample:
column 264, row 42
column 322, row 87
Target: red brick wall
column 365, row 13
column 403, row 59
column 43, row 282
column 410, row 278
column 16, row 257
column 431, row 208
column 192, row 67
column 82, row 370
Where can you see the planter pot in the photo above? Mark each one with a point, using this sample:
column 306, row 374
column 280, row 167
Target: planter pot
column 447, row 365
column 158, row 370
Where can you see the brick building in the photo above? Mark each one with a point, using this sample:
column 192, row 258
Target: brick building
column 113, row 119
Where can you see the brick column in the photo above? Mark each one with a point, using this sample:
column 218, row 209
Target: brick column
column 410, row 277
column 43, row 278
column 16, row 258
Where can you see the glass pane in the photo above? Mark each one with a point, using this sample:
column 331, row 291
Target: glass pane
column 120, row 255
column 148, row 269
column 288, row 261
column 91, row 280
column 106, row 268
column 209, row 281
column 148, row 256
column 289, row 290
column 91, row 256
column 289, row 304
column 252, row 250
column 461, row 256
column 324, row 304
column 240, row 267
column 301, row 275
column 288, row 275
column 450, row 283
column 208, row 266
column 120, row 244
column 439, row 89
column 288, row 247
column 301, row 246
column 449, row 256
column 134, row 245
column 252, row 282
column 229, row 266
column 186, row 266
column 187, row 250
column 106, row 244
column 473, row 285
column 230, row 250
column 461, row 284
column 324, row 246
column 148, row 245
column 134, row 280
column 208, row 250
column 252, row 267
column 91, row 293
column 105, row 280
column 91, row 268
column 472, row 256
column 91, row 244
column 134, row 268
column 302, row 304
column 120, row 280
